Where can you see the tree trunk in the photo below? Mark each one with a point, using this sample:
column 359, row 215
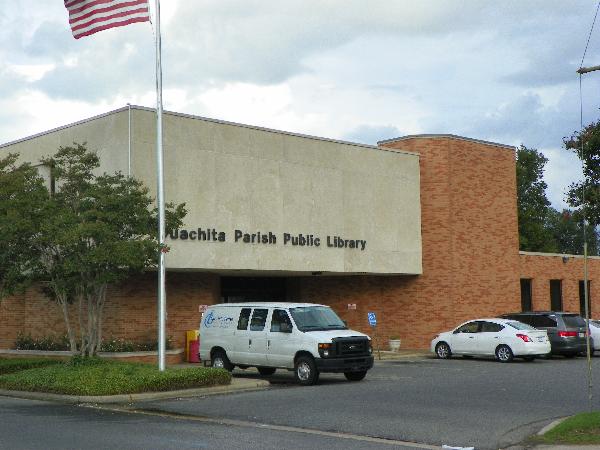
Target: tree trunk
column 91, row 330
column 64, row 306
column 82, row 328
column 100, row 312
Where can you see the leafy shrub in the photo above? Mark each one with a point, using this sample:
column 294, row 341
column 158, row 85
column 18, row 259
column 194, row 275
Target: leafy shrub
column 57, row 343
column 95, row 376
column 47, row 343
column 122, row 345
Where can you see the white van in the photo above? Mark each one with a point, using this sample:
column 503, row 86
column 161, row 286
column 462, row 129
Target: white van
column 303, row 337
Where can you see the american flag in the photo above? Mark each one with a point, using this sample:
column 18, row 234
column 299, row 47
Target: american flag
column 90, row 16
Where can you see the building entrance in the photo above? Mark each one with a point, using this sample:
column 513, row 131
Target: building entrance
column 253, row 289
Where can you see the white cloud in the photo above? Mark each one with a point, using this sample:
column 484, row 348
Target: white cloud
column 345, row 69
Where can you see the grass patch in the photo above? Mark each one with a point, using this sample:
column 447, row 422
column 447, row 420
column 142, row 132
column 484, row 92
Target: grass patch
column 580, row 429
column 18, row 364
column 95, row 376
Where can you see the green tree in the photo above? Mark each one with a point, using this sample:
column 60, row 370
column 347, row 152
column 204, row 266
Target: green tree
column 586, row 145
column 101, row 230
column 23, row 198
column 535, row 233
column 567, row 228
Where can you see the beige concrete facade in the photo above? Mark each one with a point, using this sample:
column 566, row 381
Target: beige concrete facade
column 262, row 200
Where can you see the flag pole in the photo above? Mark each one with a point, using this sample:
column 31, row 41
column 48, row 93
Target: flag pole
column 162, row 301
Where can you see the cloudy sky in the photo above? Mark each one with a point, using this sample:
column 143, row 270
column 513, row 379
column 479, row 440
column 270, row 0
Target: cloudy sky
column 348, row 69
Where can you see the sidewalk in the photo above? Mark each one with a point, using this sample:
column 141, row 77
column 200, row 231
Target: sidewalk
column 402, row 354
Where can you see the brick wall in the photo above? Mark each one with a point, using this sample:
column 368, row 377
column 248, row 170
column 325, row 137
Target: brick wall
column 542, row 268
column 130, row 311
column 470, row 247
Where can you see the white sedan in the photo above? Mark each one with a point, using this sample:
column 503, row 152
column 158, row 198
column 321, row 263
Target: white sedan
column 595, row 333
column 502, row 338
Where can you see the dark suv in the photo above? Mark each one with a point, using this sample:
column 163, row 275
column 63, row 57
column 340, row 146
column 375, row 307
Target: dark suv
column 566, row 331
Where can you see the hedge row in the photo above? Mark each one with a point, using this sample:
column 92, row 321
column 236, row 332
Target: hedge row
column 94, row 376
column 57, row 343
column 16, row 365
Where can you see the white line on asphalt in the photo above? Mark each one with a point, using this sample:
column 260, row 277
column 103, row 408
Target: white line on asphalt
column 243, row 423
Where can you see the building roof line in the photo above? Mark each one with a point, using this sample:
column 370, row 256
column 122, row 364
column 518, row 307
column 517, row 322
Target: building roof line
column 63, row 127
column 207, row 119
column 447, row 136
column 557, row 255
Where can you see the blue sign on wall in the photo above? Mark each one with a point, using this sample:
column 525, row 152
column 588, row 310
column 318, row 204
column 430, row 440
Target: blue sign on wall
column 372, row 319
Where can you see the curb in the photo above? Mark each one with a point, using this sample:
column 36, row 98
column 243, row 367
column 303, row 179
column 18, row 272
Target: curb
column 237, row 385
column 551, row 425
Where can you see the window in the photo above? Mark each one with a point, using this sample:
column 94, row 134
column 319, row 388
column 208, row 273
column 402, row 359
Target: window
column 582, row 298
column 243, row 320
column 471, row 327
column 280, row 317
column 259, row 318
column 525, row 294
column 316, row 318
column 490, row 327
column 556, row 295
column 544, row 322
column 524, row 318
column 520, row 326
column 574, row 321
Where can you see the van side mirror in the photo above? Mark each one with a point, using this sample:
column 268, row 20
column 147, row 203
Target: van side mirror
column 285, row 327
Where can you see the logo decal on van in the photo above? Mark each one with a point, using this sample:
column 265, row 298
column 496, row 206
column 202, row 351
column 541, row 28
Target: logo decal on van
column 217, row 322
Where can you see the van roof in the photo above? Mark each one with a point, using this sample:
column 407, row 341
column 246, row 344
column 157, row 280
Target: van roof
column 267, row 305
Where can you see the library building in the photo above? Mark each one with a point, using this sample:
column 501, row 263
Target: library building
column 420, row 230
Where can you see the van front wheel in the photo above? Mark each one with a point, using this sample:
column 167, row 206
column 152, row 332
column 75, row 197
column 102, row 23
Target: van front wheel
column 221, row 361
column 306, row 371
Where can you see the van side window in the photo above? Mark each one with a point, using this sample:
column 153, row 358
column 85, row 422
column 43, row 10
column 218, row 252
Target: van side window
column 243, row 320
column 259, row 318
column 279, row 317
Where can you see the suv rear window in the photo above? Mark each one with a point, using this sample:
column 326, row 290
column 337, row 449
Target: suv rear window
column 574, row 321
column 544, row 322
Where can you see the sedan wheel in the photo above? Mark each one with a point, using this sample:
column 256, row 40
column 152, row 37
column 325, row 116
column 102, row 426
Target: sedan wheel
column 442, row 351
column 504, row 353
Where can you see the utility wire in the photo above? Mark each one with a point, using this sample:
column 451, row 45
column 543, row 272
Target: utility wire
column 589, row 35
column 584, row 209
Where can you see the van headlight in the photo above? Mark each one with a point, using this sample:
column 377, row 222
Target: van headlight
column 325, row 350
column 370, row 347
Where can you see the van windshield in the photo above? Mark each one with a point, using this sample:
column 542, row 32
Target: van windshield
column 316, row 318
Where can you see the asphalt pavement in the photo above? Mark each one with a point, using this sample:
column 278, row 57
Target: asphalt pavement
column 467, row 402
column 409, row 400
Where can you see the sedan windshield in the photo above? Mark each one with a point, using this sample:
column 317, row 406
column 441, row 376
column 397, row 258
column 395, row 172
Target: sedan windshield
column 316, row 318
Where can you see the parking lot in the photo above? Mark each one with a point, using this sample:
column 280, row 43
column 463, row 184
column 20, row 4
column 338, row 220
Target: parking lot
column 477, row 402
